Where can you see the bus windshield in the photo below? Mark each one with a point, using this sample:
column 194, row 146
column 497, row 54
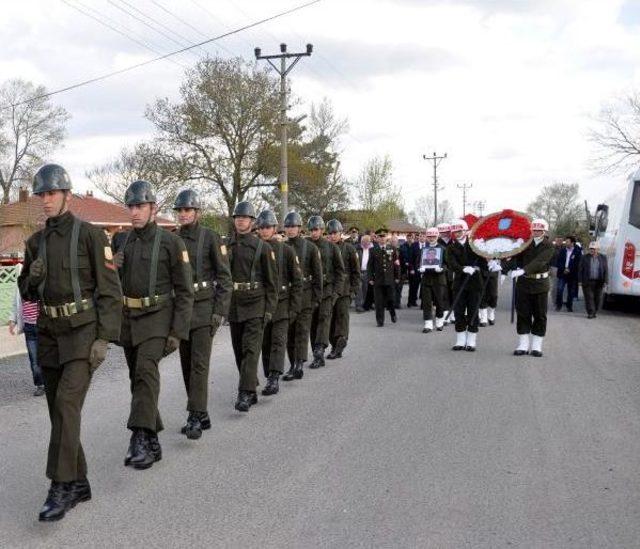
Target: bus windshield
column 634, row 210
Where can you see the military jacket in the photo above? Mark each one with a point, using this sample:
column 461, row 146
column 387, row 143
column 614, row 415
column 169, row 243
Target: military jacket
column 333, row 272
column 311, row 266
column 431, row 277
column 211, row 273
column 249, row 267
column 383, row 266
column 458, row 257
column 534, row 260
column 289, row 278
column 352, row 278
column 98, row 283
column 174, row 282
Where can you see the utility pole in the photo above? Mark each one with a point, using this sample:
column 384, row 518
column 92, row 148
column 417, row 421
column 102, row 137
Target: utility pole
column 480, row 206
column 283, row 70
column 436, row 162
column 465, row 187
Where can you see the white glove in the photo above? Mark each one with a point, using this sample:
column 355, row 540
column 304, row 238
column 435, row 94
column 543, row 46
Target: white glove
column 494, row 266
column 502, row 279
column 422, row 269
column 516, row 273
column 438, row 269
column 468, row 270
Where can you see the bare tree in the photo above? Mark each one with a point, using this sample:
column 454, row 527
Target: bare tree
column 423, row 212
column 559, row 205
column 618, row 135
column 29, row 132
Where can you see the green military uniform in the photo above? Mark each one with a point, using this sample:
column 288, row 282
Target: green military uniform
column 80, row 302
column 339, row 329
column 254, row 300
column 289, row 282
column 299, row 330
column 158, row 287
column 383, row 270
column 212, row 295
column 333, row 275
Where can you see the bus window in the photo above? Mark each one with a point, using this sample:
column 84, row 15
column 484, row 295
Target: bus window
column 634, row 210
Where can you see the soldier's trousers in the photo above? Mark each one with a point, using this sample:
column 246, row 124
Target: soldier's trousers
column 274, row 343
column 298, row 340
column 414, row 286
column 66, row 388
column 384, row 297
column 430, row 296
column 532, row 313
column 195, row 354
column 466, row 310
column 490, row 297
column 321, row 322
column 144, row 375
column 246, row 340
column 340, row 320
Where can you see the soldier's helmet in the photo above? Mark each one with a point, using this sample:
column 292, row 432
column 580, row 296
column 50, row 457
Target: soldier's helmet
column 139, row 192
column 244, row 209
column 459, row 225
column 187, row 199
column 315, row 222
column 334, row 226
column 444, row 228
column 293, row 219
column 539, row 225
column 432, row 232
column 51, row 177
column 266, row 218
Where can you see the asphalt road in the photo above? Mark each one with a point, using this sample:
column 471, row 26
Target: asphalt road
column 402, row 443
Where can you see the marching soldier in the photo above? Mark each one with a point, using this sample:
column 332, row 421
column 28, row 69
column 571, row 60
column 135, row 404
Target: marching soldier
column 333, row 275
column 384, row 274
column 530, row 269
column 289, row 282
column 68, row 268
column 253, row 301
column 434, row 281
column 469, row 269
column 158, row 301
column 311, row 267
column 487, row 313
column 339, row 329
column 212, row 288
column 444, row 239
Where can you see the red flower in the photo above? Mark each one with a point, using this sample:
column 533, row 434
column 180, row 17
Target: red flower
column 506, row 223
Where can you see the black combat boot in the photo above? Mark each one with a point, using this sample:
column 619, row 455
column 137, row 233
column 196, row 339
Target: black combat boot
column 154, row 446
column 79, row 491
column 133, row 444
column 341, row 345
column 298, row 371
column 205, row 422
column 57, row 502
column 332, row 354
column 318, row 356
column 243, row 403
column 194, row 427
column 142, row 457
column 272, row 388
column 253, row 398
column 290, row 375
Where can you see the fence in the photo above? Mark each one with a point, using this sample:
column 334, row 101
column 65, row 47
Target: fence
column 8, row 279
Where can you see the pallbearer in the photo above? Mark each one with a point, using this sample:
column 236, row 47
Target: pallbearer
column 432, row 265
column 444, row 239
column 212, row 294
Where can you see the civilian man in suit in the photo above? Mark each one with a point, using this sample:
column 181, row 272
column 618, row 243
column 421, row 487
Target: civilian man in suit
column 593, row 275
column 568, row 264
column 414, row 279
column 364, row 297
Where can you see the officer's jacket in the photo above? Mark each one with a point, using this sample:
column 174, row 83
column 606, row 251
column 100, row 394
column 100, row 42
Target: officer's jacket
column 174, row 284
column 534, row 260
column 247, row 266
column 98, row 283
column 211, row 273
column 311, row 266
column 458, row 257
column 289, row 278
column 384, row 266
column 333, row 273
column 431, row 277
column 352, row 278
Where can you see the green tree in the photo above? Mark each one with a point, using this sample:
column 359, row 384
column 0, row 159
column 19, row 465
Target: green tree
column 559, row 205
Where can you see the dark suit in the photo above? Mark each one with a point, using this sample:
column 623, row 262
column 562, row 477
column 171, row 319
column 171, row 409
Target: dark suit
column 567, row 276
column 593, row 282
column 414, row 279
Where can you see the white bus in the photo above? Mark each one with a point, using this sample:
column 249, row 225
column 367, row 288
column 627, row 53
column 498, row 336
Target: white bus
column 617, row 229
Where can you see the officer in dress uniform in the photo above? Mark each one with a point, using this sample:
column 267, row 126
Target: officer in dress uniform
column 212, row 288
column 470, row 270
column 289, row 281
column 339, row 330
column 311, row 267
column 68, row 269
column 530, row 269
column 253, row 302
column 444, row 239
column 333, row 275
column 384, row 274
column 158, row 301
column 434, row 281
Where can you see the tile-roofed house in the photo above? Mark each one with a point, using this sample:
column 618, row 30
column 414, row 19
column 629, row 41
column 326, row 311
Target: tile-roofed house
column 20, row 219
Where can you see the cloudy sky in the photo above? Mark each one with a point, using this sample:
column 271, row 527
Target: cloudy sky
column 508, row 88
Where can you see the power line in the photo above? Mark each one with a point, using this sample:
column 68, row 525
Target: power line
column 436, row 162
column 465, row 187
column 165, row 56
